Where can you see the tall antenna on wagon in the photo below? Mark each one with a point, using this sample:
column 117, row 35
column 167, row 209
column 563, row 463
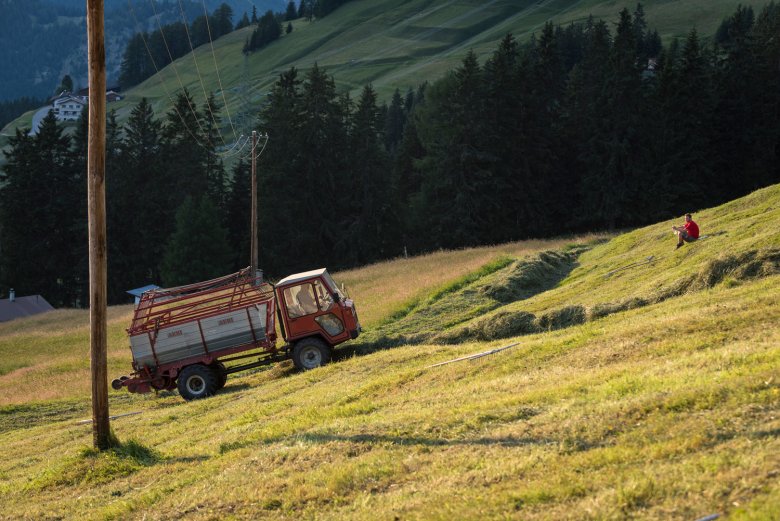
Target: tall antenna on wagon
column 96, row 205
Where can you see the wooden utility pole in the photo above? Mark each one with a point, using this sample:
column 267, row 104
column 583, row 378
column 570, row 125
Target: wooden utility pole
column 253, row 241
column 96, row 202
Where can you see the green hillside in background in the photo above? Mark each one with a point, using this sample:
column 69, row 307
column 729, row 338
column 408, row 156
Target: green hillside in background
column 390, row 44
column 642, row 382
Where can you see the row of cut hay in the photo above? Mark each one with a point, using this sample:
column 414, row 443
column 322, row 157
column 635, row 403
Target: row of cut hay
column 504, row 324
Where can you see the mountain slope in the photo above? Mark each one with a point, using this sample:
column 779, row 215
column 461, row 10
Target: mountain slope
column 669, row 410
column 389, row 44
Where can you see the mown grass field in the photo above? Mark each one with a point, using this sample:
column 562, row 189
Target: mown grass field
column 667, row 408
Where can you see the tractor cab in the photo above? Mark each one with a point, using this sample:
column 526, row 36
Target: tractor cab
column 314, row 316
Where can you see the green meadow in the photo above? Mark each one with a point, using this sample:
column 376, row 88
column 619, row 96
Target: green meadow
column 643, row 382
column 389, row 44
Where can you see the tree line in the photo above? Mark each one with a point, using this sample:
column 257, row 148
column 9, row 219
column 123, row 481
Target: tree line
column 579, row 129
column 147, row 52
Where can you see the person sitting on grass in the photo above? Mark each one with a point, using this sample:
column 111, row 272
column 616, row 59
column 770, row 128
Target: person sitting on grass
column 688, row 232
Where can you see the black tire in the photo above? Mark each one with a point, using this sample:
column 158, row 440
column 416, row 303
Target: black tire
column 221, row 371
column 310, row 353
column 197, row 381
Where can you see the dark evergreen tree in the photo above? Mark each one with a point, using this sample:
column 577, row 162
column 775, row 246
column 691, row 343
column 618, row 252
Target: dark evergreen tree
column 747, row 126
column 136, row 63
column 40, row 215
column 457, row 185
column 244, row 22
column 238, row 213
column 374, row 231
column 198, row 249
column 144, row 200
column 613, row 149
column 186, row 148
column 278, row 174
column 292, row 12
column 682, row 164
column 214, row 166
column 223, row 21
column 394, row 123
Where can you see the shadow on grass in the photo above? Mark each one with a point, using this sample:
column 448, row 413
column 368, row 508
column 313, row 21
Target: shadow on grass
column 504, row 441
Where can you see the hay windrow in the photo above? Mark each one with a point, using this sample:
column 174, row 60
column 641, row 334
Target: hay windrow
column 505, row 324
column 485, row 291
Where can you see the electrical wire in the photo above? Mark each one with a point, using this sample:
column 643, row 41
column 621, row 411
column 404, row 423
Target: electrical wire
column 178, row 78
column 264, row 145
column 162, row 82
column 216, row 68
column 197, row 69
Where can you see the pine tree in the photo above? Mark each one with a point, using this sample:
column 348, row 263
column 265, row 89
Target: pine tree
column 278, row 174
column 507, row 135
column 457, row 172
column 613, row 149
column 238, row 213
column 292, row 12
column 684, row 176
column 394, row 123
column 40, row 215
column 746, row 130
column 244, row 22
column 214, row 166
column 186, row 148
column 374, row 230
column 198, row 249
column 141, row 213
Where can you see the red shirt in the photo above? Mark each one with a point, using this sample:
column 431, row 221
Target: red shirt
column 693, row 229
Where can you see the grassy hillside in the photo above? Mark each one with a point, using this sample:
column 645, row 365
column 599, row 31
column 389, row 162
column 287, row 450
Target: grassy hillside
column 657, row 398
column 390, row 44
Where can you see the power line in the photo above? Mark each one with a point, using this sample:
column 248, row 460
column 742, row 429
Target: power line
column 176, row 72
column 197, row 69
column 159, row 76
column 216, row 67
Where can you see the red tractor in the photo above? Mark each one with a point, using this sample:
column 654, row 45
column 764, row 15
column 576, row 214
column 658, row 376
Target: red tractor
column 188, row 337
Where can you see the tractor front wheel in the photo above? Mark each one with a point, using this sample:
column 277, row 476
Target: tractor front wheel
column 197, row 381
column 310, row 353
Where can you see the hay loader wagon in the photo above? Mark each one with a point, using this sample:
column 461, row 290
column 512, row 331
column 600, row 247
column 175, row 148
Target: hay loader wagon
column 192, row 337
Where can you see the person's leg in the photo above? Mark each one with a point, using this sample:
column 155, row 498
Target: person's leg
column 682, row 236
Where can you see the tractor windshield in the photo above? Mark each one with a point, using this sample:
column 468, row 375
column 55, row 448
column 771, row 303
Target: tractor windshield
column 332, row 284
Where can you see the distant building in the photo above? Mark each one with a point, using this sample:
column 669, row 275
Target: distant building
column 68, row 107
column 113, row 96
column 18, row 307
column 137, row 292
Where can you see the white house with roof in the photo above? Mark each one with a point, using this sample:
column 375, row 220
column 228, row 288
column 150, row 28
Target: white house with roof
column 68, row 107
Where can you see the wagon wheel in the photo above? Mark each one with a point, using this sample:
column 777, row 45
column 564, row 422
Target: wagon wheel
column 221, row 372
column 163, row 383
column 197, row 381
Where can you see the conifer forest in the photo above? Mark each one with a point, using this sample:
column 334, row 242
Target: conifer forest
column 589, row 126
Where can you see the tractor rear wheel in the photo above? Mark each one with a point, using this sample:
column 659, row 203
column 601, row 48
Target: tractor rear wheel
column 197, row 381
column 310, row 353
